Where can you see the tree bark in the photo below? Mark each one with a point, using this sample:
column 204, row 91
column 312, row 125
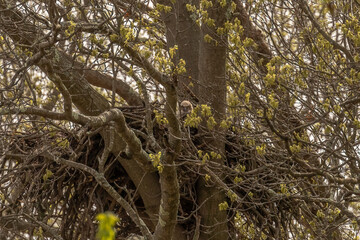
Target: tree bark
column 213, row 93
column 183, row 31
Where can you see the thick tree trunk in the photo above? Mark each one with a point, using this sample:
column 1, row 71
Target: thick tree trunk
column 183, row 31
column 204, row 81
column 213, row 93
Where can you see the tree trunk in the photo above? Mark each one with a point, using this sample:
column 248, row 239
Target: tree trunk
column 183, row 31
column 213, row 93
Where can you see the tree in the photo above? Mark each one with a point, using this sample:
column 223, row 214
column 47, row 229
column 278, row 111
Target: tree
column 89, row 97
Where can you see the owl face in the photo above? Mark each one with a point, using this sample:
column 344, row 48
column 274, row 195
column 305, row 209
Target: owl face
column 185, row 108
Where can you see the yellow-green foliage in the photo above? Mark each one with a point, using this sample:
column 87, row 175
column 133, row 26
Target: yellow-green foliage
column 261, row 149
column 207, row 177
column 162, row 8
column 204, row 157
column 48, row 174
column 106, row 230
column 200, row 113
column 233, row 196
column 71, row 29
column 223, row 206
column 39, row 232
column 160, row 119
column 156, row 160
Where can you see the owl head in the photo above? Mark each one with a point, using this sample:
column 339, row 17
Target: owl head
column 185, row 108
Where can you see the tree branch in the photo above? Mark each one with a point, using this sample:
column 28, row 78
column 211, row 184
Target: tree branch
column 303, row 5
column 170, row 196
column 262, row 54
column 101, row 180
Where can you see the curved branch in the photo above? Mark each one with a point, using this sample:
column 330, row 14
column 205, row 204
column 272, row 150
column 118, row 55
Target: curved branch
column 74, row 117
column 121, row 88
column 152, row 71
